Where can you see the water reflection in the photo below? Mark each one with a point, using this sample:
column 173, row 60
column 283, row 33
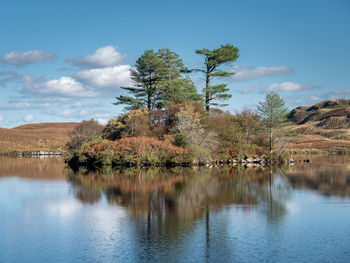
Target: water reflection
column 33, row 168
column 223, row 214
column 184, row 194
column 328, row 175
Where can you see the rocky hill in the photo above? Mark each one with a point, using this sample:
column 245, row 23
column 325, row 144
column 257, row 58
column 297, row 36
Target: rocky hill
column 323, row 126
column 329, row 114
column 36, row 137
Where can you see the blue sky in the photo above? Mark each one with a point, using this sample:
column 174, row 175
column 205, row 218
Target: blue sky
column 66, row 60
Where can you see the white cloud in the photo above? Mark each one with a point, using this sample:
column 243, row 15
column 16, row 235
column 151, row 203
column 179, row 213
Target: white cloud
column 288, row 87
column 250, row 90
column 103, row 57
column 63, row 112
column 315, row 98
column 284, row 87
column 109, row 77
column 24, row 105
column 28, row 57
column 103, row 115
column 249, row 73
column 28, row 118
column 341, row 92
column 102, row 121
column 62, row 87
column 8, row 76
column 1, row 118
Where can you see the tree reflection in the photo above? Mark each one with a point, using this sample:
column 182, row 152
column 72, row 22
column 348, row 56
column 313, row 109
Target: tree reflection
column 182, row 194
column 328, row 175
column 168, row 205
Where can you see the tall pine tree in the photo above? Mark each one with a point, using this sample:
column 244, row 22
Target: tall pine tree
column 175, row 88
column 157, row 82
column 145, row 79
column 214, row 60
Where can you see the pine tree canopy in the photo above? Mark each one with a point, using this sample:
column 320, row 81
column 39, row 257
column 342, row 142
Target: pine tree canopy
column 222, row 56
column 157, row 82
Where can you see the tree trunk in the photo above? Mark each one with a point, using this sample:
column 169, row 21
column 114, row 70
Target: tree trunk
column 207, row 101
column 149, row 102
column 270, row 140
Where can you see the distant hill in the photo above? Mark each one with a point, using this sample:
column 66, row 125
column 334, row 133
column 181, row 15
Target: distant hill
column 329, row 114
column 323, row 126
column 36, row 137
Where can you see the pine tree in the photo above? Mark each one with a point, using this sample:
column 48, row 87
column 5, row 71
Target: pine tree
column 145, row 78
column 157, row 82
column 273, row 113
column 214, row 59
column 174, row 87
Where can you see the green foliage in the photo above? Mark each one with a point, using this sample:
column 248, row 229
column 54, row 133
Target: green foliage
column 214, row 60
column 157, row 82
column 238, row 134
column 273, row 114
column 145, row 78
column 272, row 111
column 131, row 124
column 174, row 88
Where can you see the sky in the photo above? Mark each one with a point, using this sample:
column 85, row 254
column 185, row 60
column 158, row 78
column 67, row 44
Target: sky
column 63, row 61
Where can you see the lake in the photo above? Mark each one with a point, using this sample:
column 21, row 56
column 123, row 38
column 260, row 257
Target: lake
column 298, row 213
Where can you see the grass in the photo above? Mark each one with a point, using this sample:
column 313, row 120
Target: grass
column 36, row 137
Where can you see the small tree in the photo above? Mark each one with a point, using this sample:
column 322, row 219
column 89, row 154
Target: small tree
column 222, row 56
column 273, row 114
column 84, row 132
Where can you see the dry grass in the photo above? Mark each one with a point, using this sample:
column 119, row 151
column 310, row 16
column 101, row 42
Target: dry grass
column 36, row 137
column 315, row 143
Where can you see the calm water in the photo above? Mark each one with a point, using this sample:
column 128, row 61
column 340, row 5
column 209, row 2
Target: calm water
column 289, row 214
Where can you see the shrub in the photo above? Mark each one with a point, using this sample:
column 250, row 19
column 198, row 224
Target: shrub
column 134, row 151
column 84, row 132
column 131, row 124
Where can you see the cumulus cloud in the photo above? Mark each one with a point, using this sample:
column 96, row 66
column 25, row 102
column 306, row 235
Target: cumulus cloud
column 288, row 87
column 284, row 87
column 109, row 77
column 28, row 118
column 1, row 118
column 64, row 87
column 103, row 57
column 249, row 73
column 28, row 57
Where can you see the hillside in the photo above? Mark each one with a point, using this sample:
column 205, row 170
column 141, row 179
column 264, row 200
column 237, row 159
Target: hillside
column 324, row 126
column 36, row 137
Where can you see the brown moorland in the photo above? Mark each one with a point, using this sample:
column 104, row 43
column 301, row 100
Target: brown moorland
column 324, row 126
column 36, row 137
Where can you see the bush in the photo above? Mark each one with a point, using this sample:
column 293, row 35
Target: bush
column 131, row 124
column 84, row 132
column 133, row 151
